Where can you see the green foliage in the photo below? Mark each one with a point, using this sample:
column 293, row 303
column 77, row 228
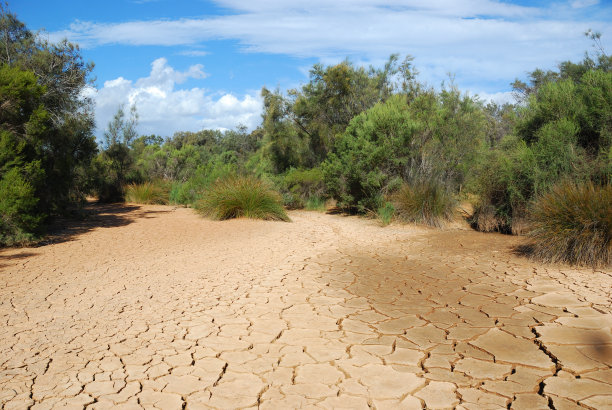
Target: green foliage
column 241, row 196
column 506, row 185
column 19, row 216
column 436, row 136
column 315, row 203
column 564, row 132
column 385, row 213
column 281, row 143
column 377, row 145
column 46, row 141
column 156, row 192
column 573, row 223
column 190, row 191
column 426, row 202
column 115, row 161
column 300, row 130
column 298, row 186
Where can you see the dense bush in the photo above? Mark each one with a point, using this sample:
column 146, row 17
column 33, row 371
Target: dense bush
column 45, row 124
column 301, row 186
column 241, row 196
column 433, row 137
column 573, row 223
column 378, row 145
column 19, row 218
column 41, row 163
column 563, row 132
column 426, row 202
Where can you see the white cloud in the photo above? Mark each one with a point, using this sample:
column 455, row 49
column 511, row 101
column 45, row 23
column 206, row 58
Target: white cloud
column 578, row 4
column 194, row 53
column 481, row 41
column 164, row 109
column 500, row 98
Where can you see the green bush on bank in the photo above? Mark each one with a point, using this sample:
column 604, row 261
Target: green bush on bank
column 241, row 196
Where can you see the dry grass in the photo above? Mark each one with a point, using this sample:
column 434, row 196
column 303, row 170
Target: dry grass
column 426, row 202
column 150, row 193
column 242, row 196
column 573, row 224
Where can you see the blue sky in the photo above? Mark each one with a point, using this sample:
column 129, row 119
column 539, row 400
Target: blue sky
column 194, row 64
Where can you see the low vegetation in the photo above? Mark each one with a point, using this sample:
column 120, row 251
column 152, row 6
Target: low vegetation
column 242, row 196
column 426, row 202
column 573, row 223
column 155, row 192
column 357, row 136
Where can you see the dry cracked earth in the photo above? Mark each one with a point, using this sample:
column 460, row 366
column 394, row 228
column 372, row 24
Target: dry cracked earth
column 155, row 307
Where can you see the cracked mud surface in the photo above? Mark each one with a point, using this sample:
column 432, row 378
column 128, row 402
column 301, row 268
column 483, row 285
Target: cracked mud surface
column 155, row 307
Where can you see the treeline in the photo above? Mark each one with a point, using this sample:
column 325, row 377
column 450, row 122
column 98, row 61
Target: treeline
column 375, row 140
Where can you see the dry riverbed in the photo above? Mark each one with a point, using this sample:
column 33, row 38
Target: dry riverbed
column 155, row 307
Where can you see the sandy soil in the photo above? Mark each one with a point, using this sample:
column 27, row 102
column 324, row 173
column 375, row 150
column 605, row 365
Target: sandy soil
column 155, row 307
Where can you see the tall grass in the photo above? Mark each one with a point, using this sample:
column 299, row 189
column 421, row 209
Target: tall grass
column 385, row 213
column 573, row 224
column 426, row 202
column 148, row 193
column 315, row 203
column 241, row 196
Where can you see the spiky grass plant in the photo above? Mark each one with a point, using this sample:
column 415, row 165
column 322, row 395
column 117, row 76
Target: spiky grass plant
column 425, row 202
column 573, row 224
column 147, row 193
column 315, row 203
column 242, row 196
column 385, row 213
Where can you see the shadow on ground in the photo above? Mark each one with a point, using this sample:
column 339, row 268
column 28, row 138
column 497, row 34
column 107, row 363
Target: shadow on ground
column 95, row 215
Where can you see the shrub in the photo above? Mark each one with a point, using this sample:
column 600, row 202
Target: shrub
column 315, row 203
column 18, row 216
column 147, row 193
column 191, row 190
column 241, row 196
column 188, row 192
column 385, row 213
column 507, row 181
column 424, row 202
column 573, row 223
column 298, row 186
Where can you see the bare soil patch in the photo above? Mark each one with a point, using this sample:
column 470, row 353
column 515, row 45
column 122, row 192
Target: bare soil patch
column 155, row 307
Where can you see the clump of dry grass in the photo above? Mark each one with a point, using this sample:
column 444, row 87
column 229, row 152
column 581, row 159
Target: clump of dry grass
column 426, row 202
column 147, row 193
column 573, row 224
column 242, row 196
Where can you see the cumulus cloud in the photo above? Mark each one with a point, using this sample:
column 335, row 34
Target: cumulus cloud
column 164, row 108
column 501, row 98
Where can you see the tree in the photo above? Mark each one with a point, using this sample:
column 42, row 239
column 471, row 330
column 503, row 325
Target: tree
column 116, row 159
column 23, row 128
column 65, row 145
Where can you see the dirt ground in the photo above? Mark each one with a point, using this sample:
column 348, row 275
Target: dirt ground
column 156, row 307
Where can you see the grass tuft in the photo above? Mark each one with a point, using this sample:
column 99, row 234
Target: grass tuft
column 427, row 202
column 573, row 224
column 147, row 193
column 385, row 213
column 242, row 196
column 315, row 203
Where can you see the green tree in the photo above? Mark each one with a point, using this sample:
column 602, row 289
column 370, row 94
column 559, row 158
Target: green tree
column 115, row 161
column 23, row 131
column 63, row 143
